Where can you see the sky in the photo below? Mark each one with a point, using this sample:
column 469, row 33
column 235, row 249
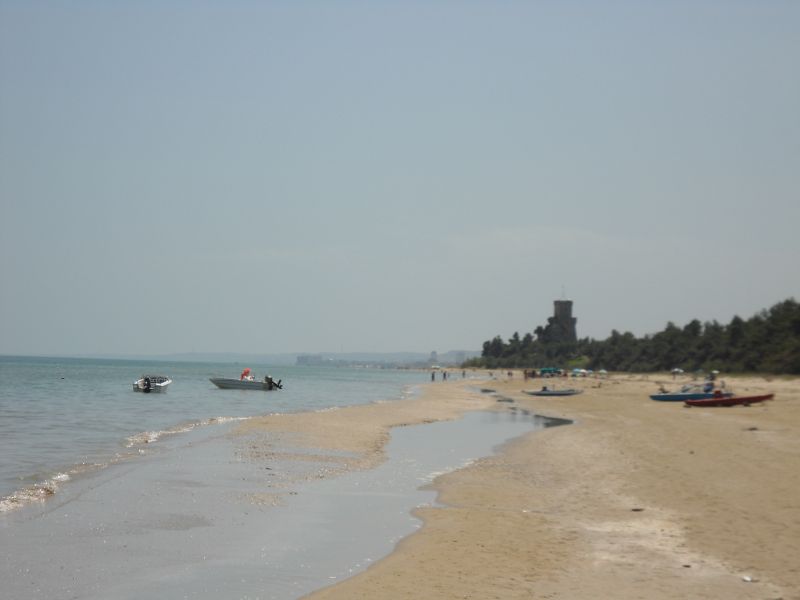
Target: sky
column 354, row 176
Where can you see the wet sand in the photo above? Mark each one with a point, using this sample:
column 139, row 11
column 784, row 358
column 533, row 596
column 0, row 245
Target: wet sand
column 636, row 499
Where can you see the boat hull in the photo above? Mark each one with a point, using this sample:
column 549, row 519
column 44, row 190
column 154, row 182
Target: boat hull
column 554, row 392
column 687, row 396
column 730, row 401
column 241, row 384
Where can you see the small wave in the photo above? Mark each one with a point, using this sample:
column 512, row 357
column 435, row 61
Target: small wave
column 411, row 392
column 431, row 477
column 38, row 492
column 149, row 437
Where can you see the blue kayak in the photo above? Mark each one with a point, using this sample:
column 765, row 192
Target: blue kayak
column 683, row 396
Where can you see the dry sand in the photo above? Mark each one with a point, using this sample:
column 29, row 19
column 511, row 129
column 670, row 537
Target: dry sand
column 635, row 499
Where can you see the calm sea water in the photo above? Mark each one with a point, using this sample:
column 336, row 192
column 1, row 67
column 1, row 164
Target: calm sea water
column 62, row 416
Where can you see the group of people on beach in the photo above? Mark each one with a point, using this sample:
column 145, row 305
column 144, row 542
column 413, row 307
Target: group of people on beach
column 445, row 375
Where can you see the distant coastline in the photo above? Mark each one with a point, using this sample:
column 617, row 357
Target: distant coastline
column 333, row 359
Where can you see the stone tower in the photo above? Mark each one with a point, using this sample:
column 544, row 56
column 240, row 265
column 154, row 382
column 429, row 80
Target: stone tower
column 562, row 323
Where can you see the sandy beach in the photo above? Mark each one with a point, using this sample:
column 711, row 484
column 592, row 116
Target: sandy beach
column 634, row 499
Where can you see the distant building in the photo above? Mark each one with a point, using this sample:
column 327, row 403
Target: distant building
column 561, row 326
column 311, row 360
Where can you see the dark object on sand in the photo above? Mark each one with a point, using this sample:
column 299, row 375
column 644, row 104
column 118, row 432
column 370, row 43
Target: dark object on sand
column 546, row 392
column 722, row 400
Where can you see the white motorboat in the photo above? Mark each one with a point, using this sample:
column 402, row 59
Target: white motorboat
column 226, row 383
column 151, row 383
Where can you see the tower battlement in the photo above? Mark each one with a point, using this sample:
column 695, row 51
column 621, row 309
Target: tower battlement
column 562, row 310
column 561, row 326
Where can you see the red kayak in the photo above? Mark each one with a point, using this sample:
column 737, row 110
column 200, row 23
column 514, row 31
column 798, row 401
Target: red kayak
column 730, row 400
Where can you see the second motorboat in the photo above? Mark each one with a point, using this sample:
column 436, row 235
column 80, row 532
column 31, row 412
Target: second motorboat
column 247, row 382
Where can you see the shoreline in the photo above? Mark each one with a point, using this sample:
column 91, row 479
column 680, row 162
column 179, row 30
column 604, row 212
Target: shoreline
column 631, row 499
column 45, row 448
column 634, row 499
column 270, row 511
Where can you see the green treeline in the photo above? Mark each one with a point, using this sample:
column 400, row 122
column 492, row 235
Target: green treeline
column 768, row 342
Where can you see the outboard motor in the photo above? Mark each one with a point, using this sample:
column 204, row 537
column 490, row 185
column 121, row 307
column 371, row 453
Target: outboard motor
column 147, row 385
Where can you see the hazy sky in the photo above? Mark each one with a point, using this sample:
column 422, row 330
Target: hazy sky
column 381, row 176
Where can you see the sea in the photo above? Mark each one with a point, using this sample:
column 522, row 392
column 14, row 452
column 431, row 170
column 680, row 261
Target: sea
column 64, row 417
column 110, row 493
